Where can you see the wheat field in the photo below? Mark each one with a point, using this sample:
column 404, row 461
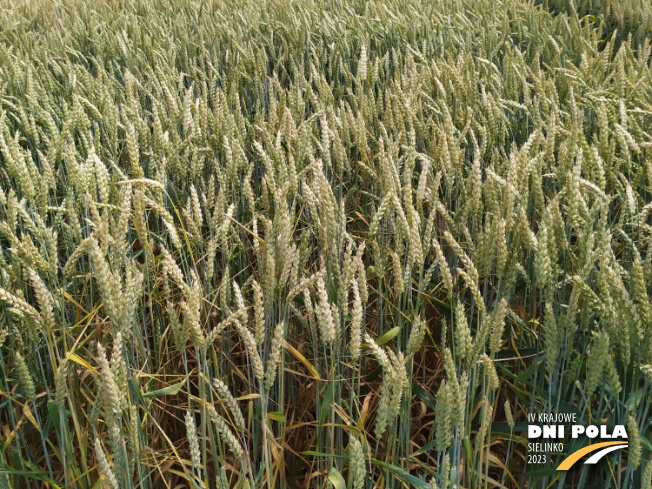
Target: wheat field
column 322, row 243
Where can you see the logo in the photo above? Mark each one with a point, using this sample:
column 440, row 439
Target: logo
column 550, row 430
column 603, row 449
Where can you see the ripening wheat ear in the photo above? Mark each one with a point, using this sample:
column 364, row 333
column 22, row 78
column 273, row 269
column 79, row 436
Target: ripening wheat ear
column 357, row 463
column 508, row 415
column 61, row 383
column 274, row 355
column 228, row 399
column 356, row 323
column 498, row 326
column 463, row 340
column 443, row 419
column 44, row 299
column 325, row 315
column 193, row 440
column 362, row 64
column 112, row 396
column 191, row 308
column 19, row 304
column 469, row 267
column 259, row 312
column 379, row 353
column 224, row 430
column 447, row 277
column 252, row 350
column 417, row 335
column 634, row 458
column 104, row 465
column 24, row 377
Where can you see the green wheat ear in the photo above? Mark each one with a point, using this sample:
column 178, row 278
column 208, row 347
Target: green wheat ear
column 357, row 463
column 24, row 377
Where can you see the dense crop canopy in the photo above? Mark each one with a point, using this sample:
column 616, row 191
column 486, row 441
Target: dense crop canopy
column 288, row 244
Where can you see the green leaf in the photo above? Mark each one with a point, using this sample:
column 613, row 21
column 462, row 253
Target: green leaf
column 170, row 390
column 326, row 403
column 388, row 336
column 425, row 448
column 336, row 478
column 374, row 374
column 276, row 416
column 402, row 474
column 312, row 453
column 424, row 395
column 468, row 449
column 530, row 370
column 635, row 398
column 53, row 411
column 37, row 475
